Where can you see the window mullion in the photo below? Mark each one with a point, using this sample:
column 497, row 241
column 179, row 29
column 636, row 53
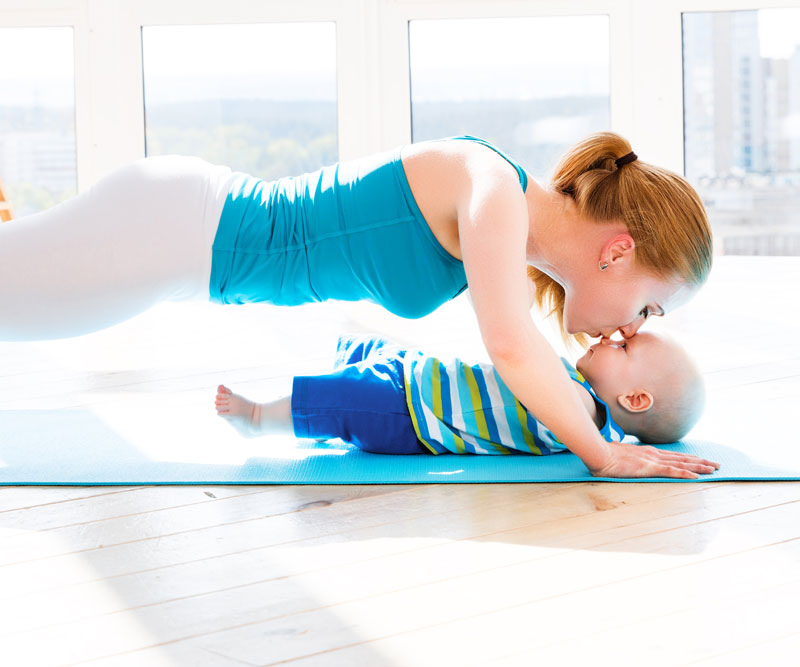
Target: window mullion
column 658, row 83
column 111, row 113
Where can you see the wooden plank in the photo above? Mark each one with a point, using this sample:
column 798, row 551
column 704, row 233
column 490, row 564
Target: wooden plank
column 28, row 543
column 82, row 511
column 381, row 516
column 13, row 498
column 503, row 590
column 536, row 602
column 231, row 566
column 780, row 651
column 670, row 618
column 37, row 609
column 181, row 655
column 66, row 505
column 682, row 629
column 282, row 595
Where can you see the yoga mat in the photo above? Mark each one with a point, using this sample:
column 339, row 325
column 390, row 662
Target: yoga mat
column 172, row 445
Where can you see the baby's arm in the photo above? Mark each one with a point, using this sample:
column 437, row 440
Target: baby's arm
column 591, row 406
column 255, row 419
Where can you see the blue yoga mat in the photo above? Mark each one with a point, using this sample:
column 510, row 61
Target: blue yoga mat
column 125, row 446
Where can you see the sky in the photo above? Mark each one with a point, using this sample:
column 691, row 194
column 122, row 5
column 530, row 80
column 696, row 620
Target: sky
column 779, row 32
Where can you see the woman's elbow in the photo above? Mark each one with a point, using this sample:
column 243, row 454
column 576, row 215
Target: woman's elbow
column 504, row 348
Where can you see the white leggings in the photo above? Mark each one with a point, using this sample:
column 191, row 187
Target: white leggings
column 141, row 235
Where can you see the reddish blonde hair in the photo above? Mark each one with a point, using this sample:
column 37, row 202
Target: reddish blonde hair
column 662, row 212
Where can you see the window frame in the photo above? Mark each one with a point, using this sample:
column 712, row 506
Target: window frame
column 374, row 105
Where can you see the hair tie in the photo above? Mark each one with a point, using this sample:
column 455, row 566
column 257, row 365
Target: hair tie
column 630, row 157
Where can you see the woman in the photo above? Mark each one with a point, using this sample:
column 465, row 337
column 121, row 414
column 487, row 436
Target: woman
column 613, row 241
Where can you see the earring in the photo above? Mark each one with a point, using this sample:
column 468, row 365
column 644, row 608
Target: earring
column 603, row 266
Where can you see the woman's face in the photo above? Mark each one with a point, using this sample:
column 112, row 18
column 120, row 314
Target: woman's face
column 603, row 304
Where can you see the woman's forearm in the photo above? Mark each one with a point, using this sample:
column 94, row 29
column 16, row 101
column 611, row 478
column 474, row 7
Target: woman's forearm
column 536, row 376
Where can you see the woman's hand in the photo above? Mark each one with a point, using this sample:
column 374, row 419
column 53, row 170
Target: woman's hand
column 629, row 460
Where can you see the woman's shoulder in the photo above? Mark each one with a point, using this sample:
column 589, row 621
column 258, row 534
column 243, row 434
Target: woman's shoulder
column 462, row 158
column 456, row 145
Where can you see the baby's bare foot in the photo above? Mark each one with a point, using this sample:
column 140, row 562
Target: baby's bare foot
column 243, row 415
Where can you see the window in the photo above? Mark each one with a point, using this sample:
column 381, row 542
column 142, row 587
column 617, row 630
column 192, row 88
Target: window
column 532, row 86
column 37, row 117
column 259, row 98
column 742, row 126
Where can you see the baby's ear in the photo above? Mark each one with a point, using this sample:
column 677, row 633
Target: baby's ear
column 636, row 401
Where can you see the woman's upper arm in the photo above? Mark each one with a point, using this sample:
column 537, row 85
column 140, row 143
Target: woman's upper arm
column 493, row 230
column 493, row 233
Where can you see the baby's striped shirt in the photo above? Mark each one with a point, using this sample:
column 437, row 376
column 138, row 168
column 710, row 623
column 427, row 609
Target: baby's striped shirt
column 468, row 409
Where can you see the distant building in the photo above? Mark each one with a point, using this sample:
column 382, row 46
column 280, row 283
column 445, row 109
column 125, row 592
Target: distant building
column 747, row 89
column 742, row 132
column 776, row 112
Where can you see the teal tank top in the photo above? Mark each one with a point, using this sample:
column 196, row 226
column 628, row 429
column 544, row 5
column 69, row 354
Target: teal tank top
column 523, row 177
column 351, row 231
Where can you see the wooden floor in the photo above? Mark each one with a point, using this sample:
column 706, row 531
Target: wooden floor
column 439, row 574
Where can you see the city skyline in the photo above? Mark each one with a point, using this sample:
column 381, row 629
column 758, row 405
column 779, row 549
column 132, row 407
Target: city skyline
column 741, row 109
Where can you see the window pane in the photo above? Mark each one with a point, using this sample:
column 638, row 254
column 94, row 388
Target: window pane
column 532, row 86
column 742, row 126
column 258, row 98
column 37, row 117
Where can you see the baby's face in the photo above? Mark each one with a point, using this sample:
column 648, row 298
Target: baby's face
column 618, row 367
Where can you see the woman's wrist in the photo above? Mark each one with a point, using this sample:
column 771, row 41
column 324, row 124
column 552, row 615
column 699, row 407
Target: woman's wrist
column 596, row 457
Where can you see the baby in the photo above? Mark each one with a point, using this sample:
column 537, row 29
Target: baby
column 388, row 400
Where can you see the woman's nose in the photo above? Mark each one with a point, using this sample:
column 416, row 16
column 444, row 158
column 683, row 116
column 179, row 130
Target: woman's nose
column 629, row 330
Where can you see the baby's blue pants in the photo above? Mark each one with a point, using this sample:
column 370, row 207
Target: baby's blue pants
column 363, row 401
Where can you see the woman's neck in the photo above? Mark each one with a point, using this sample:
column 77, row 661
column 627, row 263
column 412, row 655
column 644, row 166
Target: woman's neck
column 549, row 223
column 560, row 241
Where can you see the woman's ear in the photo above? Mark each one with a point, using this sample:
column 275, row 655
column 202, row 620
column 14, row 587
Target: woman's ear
column 619, row 248
column 637, row 402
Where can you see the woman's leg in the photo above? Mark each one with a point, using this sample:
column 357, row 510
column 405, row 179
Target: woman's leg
column 141, row 235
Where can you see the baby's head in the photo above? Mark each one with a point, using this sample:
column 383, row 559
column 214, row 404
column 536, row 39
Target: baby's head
column 652, row 387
